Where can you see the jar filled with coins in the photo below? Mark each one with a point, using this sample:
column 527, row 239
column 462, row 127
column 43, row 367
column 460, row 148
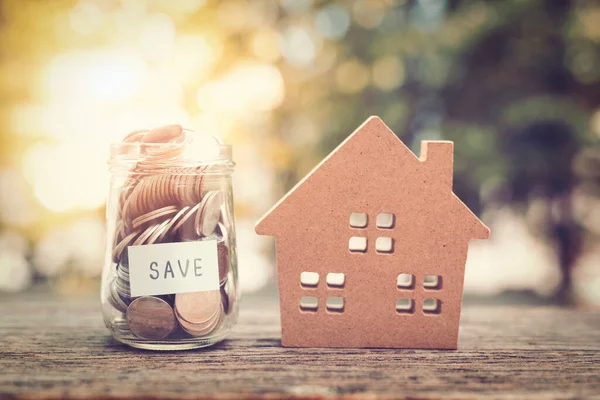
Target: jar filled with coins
column 170, row 276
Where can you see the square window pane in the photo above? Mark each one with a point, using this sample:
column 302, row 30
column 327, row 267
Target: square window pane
column 357, row 244
column 336, row 280
column 405, row 306
column 432, row 282
column 432, row 306
column 358, row 220
column 335, row 304
column 309, row 279
column 406, row 281
column 309, row 303
column 385, row 220
column 384, row 245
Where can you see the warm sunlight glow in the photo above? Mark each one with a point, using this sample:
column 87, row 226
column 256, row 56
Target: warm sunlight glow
column 247, row 88
column 81, row 78
column 67, row 176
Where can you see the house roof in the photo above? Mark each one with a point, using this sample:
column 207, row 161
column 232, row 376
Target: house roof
column 382, row 142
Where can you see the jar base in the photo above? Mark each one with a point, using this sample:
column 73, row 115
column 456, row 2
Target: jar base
column 166, row 345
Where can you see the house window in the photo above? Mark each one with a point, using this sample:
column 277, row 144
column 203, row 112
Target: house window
column 309, row 303
column 384, row 245
column 405, row 281
column 432, row 306
column 335, row 280
column 335, row 304
column 357, row 244
column 358, row 220
column 405, row 306
column 432, row 282
column 385, row 221
column 309, row 279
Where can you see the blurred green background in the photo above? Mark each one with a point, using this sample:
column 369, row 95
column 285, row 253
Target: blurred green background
column 515, row 83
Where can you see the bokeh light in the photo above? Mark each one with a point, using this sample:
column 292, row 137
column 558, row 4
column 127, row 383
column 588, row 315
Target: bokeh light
column 284, row 82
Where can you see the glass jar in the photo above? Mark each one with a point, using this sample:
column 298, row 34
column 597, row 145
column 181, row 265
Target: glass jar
column 170, row 277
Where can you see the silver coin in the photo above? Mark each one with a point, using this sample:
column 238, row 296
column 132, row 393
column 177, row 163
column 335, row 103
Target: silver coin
column 209, row 213
column 115, row 300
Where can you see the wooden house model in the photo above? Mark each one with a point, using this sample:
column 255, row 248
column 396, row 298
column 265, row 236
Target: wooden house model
column 371, row 246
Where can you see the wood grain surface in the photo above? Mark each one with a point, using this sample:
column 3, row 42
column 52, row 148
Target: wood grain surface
column 59, row 348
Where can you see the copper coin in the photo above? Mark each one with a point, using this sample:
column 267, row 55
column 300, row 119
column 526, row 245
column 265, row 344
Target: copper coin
column 184, row 191
column 158, row 232
column 119, row 231
column 225, row 299
column 157, row 153
column 163, row 134
column 164, row 190
column 134, row 136
column 140, row 204
column 170, row 189
column 178, row 187
column 197, row 307
column 187, row 233
column 118, row 249
column 150, row 318
column 197, row 186
column 150, row 197
column 152, row 215
column 196, row 326
column 129, row 207
column 145, row 235
column 223, row 257
column 215, row 322
column 187, row 215
column 171, row 223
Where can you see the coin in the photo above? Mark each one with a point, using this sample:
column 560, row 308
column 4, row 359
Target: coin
column 114, row 299
column 223, row 232
column 225, row 299
column 196, row 326
column 159, row 231
column 171, row 223
column 120, row 325
column 209, row 213
column 225, row 219
column 121, row 287
column 123, row 273
column 145, row 235
column 152, row 215
column 197, row 330
column 163, row 134
column 150, row 318
column 185, row 217
column 223, row 257
column 129, row 206
column 118, row 249
column 134, row 136
column 197, row 307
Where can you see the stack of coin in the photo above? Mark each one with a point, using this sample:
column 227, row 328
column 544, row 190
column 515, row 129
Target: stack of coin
column 199, row 313
column 160, row 203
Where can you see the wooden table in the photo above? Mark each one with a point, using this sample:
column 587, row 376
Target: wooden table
column 61, row 349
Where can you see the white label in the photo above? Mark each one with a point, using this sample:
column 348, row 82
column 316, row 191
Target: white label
column 167, row 268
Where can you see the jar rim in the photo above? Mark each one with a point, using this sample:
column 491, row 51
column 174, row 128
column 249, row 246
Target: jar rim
column 126, row 154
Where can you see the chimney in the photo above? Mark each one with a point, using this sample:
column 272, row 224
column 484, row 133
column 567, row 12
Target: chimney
column 438, row 156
